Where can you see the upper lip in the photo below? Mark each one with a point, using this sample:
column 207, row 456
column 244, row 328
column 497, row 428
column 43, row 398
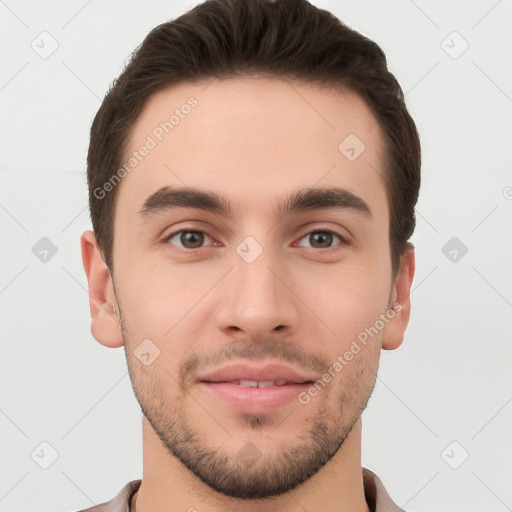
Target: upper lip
column 269, row 372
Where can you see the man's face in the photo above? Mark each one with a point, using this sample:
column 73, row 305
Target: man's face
column 262, row 293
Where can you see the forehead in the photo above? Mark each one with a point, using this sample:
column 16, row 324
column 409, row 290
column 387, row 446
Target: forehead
column 253, row 139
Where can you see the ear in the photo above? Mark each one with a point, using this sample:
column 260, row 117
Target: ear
column 394, row 330
column 105, row 326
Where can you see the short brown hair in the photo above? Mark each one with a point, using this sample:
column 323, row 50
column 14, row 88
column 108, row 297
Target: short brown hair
column 281, row 39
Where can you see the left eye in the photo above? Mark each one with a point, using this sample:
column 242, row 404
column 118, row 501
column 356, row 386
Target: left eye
column 321, row 239
column 188, row 239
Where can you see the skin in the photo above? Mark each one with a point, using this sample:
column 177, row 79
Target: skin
column 253, row 140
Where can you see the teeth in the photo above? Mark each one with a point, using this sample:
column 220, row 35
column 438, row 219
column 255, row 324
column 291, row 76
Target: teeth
column 261, row 383
column 266, row 384
column 249, row 383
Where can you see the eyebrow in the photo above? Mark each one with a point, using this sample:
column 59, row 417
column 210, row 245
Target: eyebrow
column 304, row 199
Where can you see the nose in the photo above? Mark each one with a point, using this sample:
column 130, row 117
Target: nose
column 257, row 299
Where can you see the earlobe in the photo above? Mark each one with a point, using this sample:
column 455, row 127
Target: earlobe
column 394, row 330
column 105, row 326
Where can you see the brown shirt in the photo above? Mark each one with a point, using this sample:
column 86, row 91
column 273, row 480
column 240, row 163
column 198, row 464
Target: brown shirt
column 376, row 496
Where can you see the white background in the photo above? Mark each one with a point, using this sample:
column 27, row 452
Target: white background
column 450, row 381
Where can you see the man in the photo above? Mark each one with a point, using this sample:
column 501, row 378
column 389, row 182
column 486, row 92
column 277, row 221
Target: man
column 253, row 175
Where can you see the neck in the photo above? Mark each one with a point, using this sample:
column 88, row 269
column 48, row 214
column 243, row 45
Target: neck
column 169, row 486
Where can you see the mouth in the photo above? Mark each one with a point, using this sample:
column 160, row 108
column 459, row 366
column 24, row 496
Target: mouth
column 255, row 390
column 258, row 384
column 248, row 375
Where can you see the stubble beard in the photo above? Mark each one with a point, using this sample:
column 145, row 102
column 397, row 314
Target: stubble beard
column 251, row 473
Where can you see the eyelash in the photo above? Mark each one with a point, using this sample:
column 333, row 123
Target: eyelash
column 342, row 238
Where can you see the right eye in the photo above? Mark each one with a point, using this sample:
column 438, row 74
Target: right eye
column 188, row 239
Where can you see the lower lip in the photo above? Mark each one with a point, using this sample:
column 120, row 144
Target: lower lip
column 254, row 400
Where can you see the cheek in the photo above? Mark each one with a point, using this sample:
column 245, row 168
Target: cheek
column 146, row 303
column 351, row 300
column 162, row 303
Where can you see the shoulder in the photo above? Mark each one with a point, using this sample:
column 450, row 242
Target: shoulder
column 120, row 503
column 376, row 495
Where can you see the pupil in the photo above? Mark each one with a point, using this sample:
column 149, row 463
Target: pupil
column 193, row 238
column 318, row 238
